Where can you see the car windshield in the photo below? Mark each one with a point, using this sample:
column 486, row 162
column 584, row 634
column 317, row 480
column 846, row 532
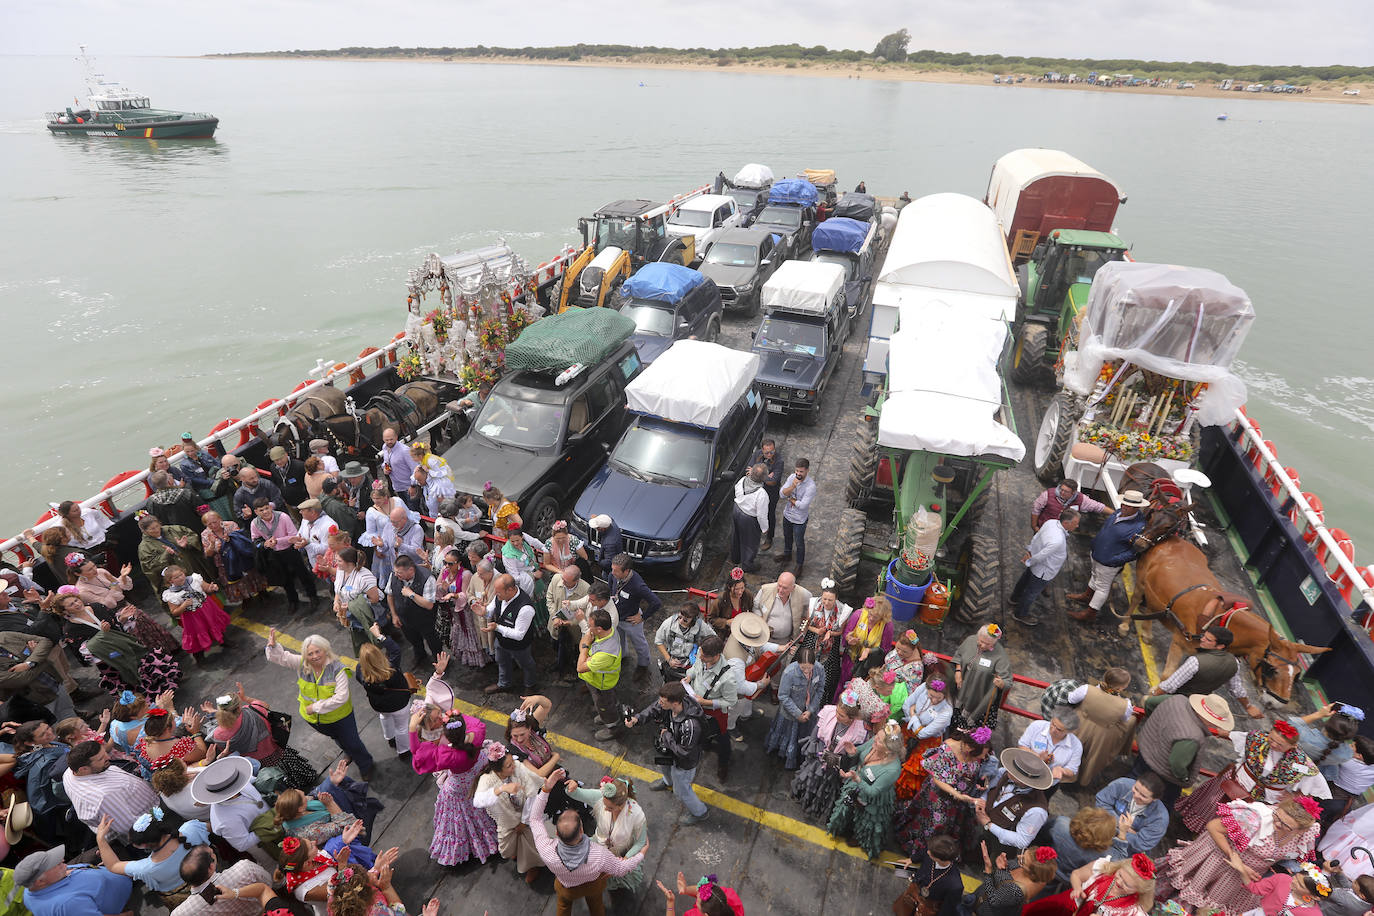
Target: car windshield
column 679, row 455
column 826, row 257
column 791, row 217
column 523, row 424
column 733, row 254
column 693, row 219
column 615, row 232
column 1084, row 263
column 655, row 319
column 745, row 198
column 787, row 336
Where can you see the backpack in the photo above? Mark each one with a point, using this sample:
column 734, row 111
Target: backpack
column 269, row 833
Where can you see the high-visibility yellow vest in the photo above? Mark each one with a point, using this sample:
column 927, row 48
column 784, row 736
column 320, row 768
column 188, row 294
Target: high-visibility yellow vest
column 607, row 645
column 312, row 690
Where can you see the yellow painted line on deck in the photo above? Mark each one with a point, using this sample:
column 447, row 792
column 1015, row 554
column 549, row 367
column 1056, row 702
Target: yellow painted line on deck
column 1142, row 630
column 618, row 765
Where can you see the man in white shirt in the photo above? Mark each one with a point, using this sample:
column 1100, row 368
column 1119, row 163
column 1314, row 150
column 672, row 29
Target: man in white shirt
column 312, row 535
column 750, row 518
column 225, row 786
column 1045, row 556
column 1054, row 742
column 320, row 449
column 98, row 790
column 511, row 614
column 796, row 496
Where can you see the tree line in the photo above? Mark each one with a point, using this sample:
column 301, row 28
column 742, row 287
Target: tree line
column 891, row 51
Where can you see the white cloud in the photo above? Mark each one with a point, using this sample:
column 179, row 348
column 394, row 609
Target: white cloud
column 1233, row 31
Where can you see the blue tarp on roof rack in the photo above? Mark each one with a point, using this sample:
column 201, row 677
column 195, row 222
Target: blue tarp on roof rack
column 840, row 234
column 661, row 282
column 797, row 191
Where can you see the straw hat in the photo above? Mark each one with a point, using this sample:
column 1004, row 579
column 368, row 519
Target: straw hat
column 1026, row 767
column 222, row 780
column 1134, row 499
column 749, row 629
column 18, row 818
column 1213, row 710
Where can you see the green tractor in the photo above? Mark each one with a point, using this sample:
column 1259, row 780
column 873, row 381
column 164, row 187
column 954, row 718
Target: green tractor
column 1054, row 289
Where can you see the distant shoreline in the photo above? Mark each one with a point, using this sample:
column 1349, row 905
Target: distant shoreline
column 845, row 71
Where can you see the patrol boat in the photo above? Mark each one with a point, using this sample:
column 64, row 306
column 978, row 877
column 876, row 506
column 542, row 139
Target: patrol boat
column 112, row 110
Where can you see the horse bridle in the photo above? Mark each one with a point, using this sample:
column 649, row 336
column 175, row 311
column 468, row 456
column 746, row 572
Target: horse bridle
column 1262, row 664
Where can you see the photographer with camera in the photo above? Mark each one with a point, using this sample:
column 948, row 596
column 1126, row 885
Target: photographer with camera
column 677, row 749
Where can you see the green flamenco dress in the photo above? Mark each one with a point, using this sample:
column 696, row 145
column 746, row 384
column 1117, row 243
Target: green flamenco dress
column 864, row 809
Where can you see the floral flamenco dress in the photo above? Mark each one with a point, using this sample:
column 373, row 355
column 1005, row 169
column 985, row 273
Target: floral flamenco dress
column 203, row 621
column 932, row 810
column 461, row 830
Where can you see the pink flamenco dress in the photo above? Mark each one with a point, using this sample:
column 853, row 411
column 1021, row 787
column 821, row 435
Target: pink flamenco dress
column 461, row 830
column 203, row 620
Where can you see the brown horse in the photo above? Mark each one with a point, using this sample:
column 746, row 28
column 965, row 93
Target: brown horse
column 1180, row 591
column 357, row 433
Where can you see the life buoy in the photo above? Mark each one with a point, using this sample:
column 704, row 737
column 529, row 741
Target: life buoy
column 368, row 351
column 1347, row 587
column 391, row 354
column 263, row 405
column 1258, row 459
column 1276, row 482
column 225, row 424
column 1343, row 544
column 1309, row 531
column 291, row 402
column 117, row 479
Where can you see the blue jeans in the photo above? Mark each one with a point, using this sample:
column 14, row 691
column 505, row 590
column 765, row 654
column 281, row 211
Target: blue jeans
column 791, row 531
column 681, row 781
column 345, row 734
column 1024, row 594
column 507, row 659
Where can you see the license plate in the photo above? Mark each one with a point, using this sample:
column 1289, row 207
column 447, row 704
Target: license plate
column 775, row 407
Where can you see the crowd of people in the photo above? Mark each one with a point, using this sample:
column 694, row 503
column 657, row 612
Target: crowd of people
column 888, row 747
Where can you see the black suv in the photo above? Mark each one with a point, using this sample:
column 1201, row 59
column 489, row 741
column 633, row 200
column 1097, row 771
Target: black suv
column 540, row 441
column 749, row 201
column 740, row 262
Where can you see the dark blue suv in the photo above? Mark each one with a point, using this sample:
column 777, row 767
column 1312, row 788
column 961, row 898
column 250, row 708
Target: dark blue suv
column 696, row 417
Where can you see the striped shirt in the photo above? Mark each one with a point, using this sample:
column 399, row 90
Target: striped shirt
column 112, row 793
column 600, row 860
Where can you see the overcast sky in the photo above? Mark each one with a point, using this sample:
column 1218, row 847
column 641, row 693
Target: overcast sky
column 1232, row 31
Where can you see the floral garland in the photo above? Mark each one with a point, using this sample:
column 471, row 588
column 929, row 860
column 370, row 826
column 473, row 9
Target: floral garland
column 1136, row 445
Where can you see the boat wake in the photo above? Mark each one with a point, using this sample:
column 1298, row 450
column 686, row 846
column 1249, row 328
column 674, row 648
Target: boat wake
column 1352, row 404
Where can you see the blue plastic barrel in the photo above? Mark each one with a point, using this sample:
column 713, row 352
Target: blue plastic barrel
column 905, row 599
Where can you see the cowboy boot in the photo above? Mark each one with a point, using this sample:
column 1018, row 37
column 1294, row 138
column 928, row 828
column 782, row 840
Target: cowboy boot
column 1082, row 597
column 1084, row 615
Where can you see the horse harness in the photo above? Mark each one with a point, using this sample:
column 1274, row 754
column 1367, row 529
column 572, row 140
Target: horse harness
column 1262, row 668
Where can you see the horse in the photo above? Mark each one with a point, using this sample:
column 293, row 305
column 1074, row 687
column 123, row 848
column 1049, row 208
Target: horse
column 357, row 433
column 297, row 426
column 1176, row 585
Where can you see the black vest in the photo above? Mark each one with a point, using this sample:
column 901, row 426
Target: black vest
column 1214, row 668
column 506, row 617
column 1008, row 814
column 407, row 609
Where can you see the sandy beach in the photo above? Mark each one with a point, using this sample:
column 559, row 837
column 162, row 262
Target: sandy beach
column 1333, row 92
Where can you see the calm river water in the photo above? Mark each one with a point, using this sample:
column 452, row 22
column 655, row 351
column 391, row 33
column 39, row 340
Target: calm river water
column 150, row 288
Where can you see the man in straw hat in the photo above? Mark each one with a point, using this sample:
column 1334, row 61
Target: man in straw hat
column 1173, row 735
column 1113, row 548
column 1015, row 807
column 225, row 787
column 54, row 888
column 748, row 639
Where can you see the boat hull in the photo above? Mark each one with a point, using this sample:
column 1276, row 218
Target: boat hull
column 182, row 129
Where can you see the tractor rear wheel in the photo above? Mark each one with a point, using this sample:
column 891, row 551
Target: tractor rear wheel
column 849, row 545
column 982, row 583
column 1052, row 442
column 1028, row 356
column 863, row 465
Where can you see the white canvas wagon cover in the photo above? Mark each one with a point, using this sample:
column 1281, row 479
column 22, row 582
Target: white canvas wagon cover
column 803, row 286
column 944, row 389
column 950, row 241
column 693, row 382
